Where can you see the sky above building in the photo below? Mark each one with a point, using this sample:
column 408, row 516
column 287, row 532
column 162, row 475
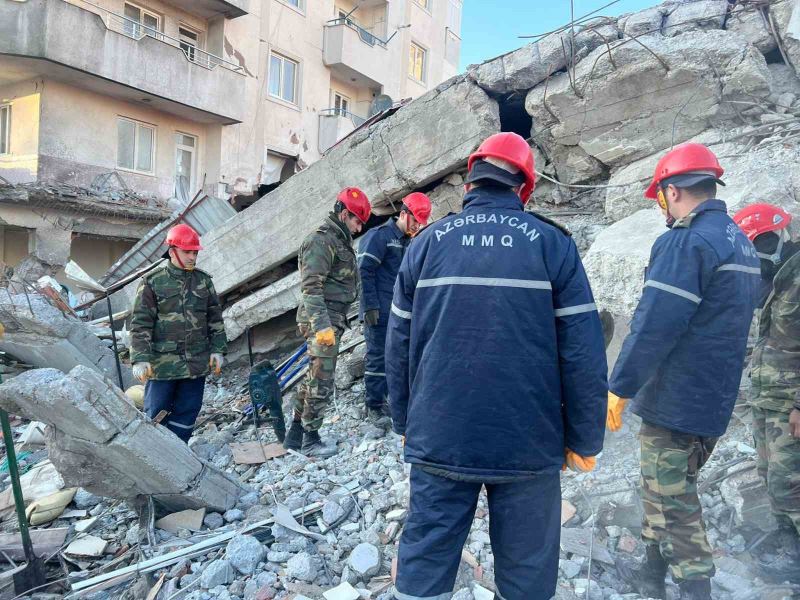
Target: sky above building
column 489, row 29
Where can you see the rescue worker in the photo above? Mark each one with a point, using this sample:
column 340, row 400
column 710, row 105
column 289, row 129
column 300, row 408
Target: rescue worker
column 380, row 253
column 682, row 362
column 328, row 285
column 775, row 377
column 177, row 333
column 497, row 376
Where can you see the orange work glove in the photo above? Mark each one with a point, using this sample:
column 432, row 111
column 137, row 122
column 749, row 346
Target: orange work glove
column 578, row 463
column 614, row 416
column 326, row 337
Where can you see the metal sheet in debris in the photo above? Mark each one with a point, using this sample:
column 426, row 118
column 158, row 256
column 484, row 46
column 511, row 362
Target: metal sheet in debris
column 203, row 214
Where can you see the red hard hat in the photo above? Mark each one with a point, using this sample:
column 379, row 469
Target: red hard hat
column 184, row 237
column 684, row 159
column 761, row 218
column 419, row 205
column 356, row 202
column 511, row 148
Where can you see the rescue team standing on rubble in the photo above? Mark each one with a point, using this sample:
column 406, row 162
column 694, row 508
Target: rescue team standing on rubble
column 177, row 333
column 775, row 376
column 496, row 370
column 379, row 256
column 682, row 362
column 484, row 340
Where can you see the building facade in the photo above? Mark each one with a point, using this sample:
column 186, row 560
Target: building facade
column 175, row 96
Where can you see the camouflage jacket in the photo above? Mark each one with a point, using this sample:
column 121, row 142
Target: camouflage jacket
column 328, row 274
column 177, row 322
column 775, row 366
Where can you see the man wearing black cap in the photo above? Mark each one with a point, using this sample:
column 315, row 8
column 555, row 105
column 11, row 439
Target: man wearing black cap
column 682, row 363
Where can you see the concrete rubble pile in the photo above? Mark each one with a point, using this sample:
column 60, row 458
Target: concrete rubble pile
column 39, row 334
column 360, row 499
column 99, row 441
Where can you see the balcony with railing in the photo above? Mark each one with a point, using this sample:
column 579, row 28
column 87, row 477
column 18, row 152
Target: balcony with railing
column 334, row 124
column 82, row 43
column 354, row 52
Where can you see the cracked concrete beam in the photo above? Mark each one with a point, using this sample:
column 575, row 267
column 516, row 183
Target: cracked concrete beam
column 419, row 144
column 97, row 440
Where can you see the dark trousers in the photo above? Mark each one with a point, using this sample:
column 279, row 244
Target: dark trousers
column 375, row 365
column 524, row 528
column 181, row 398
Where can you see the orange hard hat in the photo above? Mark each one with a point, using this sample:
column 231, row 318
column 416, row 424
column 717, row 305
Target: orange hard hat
column 512, row 148
column 356, row 202
column 687, row 159
column 184, row 237
column 419, row 205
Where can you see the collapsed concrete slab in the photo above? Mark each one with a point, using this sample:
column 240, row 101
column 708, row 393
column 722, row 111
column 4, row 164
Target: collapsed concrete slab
column 644, row 98
column 419, row 144
column 41, row 335
column 617, row 259
column 99, row 441
column 263, row 305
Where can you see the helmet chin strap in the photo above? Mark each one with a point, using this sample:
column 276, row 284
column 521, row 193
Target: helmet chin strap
column 775, row 258
column 177, row 258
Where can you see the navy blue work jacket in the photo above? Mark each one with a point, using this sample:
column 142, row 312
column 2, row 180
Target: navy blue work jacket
column 380, row 252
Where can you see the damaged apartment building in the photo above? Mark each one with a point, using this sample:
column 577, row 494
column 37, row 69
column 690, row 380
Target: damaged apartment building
column 115, row 114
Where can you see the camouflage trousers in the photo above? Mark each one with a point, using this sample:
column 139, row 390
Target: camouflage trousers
column 778, row 462
column 316, row 389
column 673, row 517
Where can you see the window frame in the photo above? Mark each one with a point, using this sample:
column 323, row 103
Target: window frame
column 295, row 101
column 199, row 41
column 5, row 129
column 344, row 104
column 137, row 125
column 147, row 29
column 426, row 5
column 300, row 8
column 411, row 64
column 193, row 150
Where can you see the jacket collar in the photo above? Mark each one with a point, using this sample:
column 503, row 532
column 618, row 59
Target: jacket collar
column 340, row 228
column 703, row 207
column 175, row 271
column 492, row 197
column 391, row 224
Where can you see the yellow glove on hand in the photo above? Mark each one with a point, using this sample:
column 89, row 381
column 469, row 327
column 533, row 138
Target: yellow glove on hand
column 142, row 371
column 614, row 416
column 326, row 337
column 578, row 463
column 215, row 363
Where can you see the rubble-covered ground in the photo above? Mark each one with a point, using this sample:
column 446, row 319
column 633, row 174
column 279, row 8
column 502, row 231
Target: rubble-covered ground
column 359, row 499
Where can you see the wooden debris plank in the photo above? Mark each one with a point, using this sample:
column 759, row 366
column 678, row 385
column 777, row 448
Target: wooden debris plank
column 45, row 542
column 254, row 453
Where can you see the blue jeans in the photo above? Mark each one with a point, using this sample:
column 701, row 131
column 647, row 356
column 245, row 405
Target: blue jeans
column 524, row 528
column 181, row 398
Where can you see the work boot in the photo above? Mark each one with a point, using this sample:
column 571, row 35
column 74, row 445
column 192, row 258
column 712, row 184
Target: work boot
column 378, row 411
column 314, row 447
column 695, row 589
column 294, row 437
column 646, row 578
column 784, row 565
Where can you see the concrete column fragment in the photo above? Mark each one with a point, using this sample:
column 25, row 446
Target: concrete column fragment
column 98, row 441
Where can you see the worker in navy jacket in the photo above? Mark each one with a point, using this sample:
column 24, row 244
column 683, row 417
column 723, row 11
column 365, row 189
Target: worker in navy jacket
column 379, row 255
column 682, row 362
column 497, row 376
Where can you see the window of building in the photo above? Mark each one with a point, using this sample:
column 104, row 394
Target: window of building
column 426, row 4
column 417, row 62
column 5, row 129
column 140, row 22
column 185, row 152
column 189, row 41
column 135, row 146
column 298, row 4
column 283, row 78
column 341, row 104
